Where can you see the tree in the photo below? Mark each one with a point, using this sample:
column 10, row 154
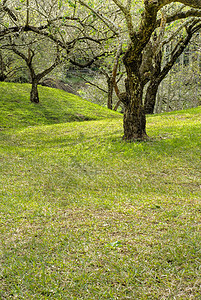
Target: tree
column 157, row 73
column 134, row 116
column 63, row 28
column 28, row 47
column 138, row 37
column 28, row 57
column 110, row 72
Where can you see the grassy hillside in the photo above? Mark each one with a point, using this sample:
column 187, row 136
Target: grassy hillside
column 85, row 215
column 55, row 106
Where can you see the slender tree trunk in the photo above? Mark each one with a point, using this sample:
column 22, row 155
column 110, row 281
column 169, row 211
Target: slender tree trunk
column 110, row 92
column 117, row 105
column 2, row 68
column 111, row 80
column 34, row 97
column 150, row 97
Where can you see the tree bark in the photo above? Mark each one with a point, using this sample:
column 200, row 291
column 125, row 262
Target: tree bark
column 134, row 124
column 110, row 92
column 134, row 116
column 150, row 98
column 34, row 97
column 2, row 68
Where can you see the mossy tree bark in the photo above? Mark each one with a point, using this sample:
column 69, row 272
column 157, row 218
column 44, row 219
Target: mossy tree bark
column 134, row 115
column 152, row 89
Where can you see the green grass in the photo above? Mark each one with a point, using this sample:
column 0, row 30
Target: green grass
column 85, row 215
column 56, row 106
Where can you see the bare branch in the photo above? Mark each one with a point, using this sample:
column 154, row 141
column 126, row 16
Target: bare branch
column 175, row 33
column 179, row 48
column 9, row 11
column 126, row 12
column 113, row 27
column 91, row 83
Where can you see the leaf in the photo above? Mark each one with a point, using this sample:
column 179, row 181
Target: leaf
column 116, row 244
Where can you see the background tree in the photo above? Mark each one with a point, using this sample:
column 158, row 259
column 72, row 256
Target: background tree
column 103, row 80
column 180, row 89
column 157, row 72
column 28, row 52
column 61, row 27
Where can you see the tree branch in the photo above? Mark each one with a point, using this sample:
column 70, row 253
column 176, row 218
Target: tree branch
column 89, row 63
column 126, row 12
column 179, row 48
column 113, row 27
column 93, row 84
column 191, row 3
column 181, row 15
column 9, row 11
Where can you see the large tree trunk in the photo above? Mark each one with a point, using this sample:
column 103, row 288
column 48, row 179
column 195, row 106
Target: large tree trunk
column 34, row 97
column 134, row 116
column 134, row 123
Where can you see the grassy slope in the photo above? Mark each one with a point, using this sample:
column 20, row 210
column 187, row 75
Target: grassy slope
column 55, row 106
column 85, row 215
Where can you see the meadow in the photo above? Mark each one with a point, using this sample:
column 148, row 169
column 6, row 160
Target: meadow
column 86, row 215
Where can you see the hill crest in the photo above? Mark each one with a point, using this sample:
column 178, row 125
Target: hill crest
column 55, row 106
